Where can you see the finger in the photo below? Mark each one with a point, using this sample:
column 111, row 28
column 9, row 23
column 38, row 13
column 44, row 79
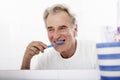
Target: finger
column 34, row 49
column 40, row 45
column 44, row 45
column 39, row 48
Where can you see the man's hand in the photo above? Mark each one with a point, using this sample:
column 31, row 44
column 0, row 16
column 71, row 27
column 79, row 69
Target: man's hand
column 32, row 49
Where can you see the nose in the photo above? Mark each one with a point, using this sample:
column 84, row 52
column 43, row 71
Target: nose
column 56, row 35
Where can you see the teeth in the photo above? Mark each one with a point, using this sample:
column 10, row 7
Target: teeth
column 59, row 41
column 64, row 40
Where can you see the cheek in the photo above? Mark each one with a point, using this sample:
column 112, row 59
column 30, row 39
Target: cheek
column 66, row 34
column 50, row 36
column 70, row 34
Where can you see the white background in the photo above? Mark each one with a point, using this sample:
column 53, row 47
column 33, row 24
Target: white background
column 21, row 21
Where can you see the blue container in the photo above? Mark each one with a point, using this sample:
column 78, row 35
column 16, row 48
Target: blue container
column 109, row 60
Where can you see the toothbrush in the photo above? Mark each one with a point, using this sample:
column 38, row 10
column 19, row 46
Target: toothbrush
column 59, row 43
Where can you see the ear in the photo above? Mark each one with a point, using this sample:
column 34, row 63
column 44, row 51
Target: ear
column 75, row 30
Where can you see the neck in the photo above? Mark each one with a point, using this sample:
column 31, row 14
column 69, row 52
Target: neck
column 69, row 53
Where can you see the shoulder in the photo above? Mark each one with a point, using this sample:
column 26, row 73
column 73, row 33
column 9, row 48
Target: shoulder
column 86, row 43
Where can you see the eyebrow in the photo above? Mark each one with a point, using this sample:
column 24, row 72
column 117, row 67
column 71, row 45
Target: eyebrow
column 50, row 27
column 63, row 26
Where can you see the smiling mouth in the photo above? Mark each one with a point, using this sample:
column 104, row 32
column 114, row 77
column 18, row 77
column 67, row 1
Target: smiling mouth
column 59, row 41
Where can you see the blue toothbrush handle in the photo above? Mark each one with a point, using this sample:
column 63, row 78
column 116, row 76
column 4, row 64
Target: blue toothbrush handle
column 49, row 46
column 52, row 45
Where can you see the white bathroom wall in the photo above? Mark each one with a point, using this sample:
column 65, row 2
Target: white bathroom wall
column 21, row 21
column 118, row 12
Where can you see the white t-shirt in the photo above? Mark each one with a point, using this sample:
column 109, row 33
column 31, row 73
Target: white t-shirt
column 84, row 58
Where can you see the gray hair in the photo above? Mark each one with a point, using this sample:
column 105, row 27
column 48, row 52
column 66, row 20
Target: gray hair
column 56, row 9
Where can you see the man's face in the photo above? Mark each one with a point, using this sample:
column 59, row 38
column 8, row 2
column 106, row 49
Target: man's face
column 60, row 28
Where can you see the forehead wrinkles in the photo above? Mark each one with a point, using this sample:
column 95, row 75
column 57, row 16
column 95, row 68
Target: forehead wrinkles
column 61, row 18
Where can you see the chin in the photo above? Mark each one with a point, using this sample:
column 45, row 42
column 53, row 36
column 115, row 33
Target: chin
column 59, row 49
